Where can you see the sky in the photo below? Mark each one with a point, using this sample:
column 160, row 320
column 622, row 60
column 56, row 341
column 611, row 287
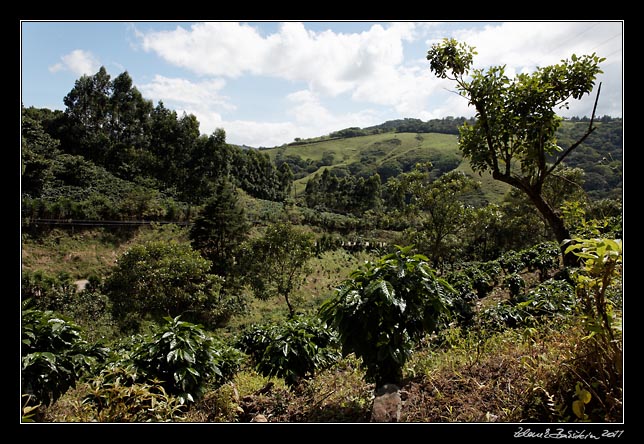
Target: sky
column 266, row 83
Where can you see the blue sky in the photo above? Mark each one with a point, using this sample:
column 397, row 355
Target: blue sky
column 266, row 83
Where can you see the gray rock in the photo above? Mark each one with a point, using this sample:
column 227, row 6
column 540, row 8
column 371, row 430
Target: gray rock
column 387, row 404
column 259, row 418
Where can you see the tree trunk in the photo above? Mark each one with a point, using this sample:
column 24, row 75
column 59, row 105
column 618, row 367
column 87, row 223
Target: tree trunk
column 555, row 221
column 291, row 311
column 558, row 227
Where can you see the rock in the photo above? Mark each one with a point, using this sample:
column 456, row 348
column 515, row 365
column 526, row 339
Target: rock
column 235, row 393
column 259, row 418
column 387, row 404
column 81, row 284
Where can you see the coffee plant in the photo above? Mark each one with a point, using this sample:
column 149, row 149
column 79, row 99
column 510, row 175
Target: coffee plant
column 292, row 350
column 185, row 359
column 384, row 307
column 54, row 354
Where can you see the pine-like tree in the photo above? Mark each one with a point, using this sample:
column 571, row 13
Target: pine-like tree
column 220, row 228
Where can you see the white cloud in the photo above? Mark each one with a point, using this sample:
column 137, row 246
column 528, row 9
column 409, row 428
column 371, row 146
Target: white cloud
column 310, row 118
column 525, row 46
column 256, row 134
column 369, row 67
column 531, row 44
column 329, row 62
column 314, row 119
column 184, row 92
column 78, row 62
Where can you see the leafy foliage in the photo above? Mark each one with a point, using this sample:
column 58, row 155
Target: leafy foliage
column 158, row 278
column 114, row 156
column 384, row 307
column 516, row 122
column 439, row 211
column 548, row 300
column 345, row 195
column 114, row 396
column 185, row 359
column 602, row 260
column 46, row 291
column 515, row 284
column 276, row 263
column 219, row 229
column 54, row 354
column 542, row 257
column 292, row 350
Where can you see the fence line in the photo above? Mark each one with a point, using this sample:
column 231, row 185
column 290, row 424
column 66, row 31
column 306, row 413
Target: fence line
column 89, row 222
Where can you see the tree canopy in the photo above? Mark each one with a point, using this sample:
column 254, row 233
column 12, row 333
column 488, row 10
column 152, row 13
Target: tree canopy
column 516, row 120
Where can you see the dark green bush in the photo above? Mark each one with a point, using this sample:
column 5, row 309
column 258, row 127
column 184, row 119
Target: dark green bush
column 515, row 283
column 48, row 291
column 384, row 307
column 550, row 298
column 185, row 359
column 54, row 354
column 292, row 350
column 511, row 262
column 464, row 297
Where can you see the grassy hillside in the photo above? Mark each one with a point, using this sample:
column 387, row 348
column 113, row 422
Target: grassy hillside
column 368, row 153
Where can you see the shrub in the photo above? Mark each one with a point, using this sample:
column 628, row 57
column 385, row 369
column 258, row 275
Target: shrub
column 483, row 278
column 511, row 262
column 550, row 298
column 291, row 350
column 185, row 359
column 464, row 297
column 54, row 354
column 542, row 257
column 515, row 283
column 115, row 397
column 48, row 291
column 159, row 278
column 384, row 307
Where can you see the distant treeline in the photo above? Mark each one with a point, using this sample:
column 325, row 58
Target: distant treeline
column 447, row 125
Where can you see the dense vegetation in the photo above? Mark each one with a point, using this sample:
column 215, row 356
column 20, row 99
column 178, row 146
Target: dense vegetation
column 171, row 276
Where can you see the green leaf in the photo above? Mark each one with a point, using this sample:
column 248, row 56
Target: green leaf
column 583, row 394
column 578, row 409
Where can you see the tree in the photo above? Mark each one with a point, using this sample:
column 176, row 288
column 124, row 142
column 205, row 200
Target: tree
column 513, row 136
column 220, row 228
column 87, row 116
column 37, row 150
column 158, row 279
column 276, row 263
column 286, row 178
column 440, row 209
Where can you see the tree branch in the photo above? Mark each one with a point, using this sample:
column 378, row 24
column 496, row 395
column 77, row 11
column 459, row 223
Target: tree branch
column 581, row 140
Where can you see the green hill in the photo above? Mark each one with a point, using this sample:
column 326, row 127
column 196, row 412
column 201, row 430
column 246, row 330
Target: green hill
column 392, row 147
column 387, row 154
